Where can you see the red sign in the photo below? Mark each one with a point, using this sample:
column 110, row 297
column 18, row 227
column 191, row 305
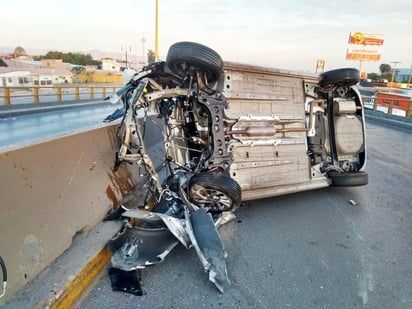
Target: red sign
column 399, row 101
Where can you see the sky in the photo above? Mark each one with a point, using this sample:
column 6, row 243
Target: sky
column 286, row 34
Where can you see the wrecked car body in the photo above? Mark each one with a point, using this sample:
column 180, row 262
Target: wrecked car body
column 207, row 135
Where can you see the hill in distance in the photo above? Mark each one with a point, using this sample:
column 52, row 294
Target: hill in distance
column 95, row 53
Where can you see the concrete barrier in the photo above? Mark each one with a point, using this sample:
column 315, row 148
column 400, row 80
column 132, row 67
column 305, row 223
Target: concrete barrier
column 51, row 191
column 389, row 121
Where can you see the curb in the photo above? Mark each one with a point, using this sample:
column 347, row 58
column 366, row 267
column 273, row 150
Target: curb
column 75, row 288
column 63, row 282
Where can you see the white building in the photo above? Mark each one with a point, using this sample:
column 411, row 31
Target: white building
column 110, row 64
column 14, row 78
column 19, row 73
column 37, row 77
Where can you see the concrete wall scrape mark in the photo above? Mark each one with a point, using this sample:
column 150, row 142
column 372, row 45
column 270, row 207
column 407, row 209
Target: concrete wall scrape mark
column 31, row 253
column 61, row 198
column 49, row 192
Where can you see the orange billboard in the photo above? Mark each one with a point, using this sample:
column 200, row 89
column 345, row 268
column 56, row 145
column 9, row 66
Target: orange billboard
column 362, row 54
column 360, row 38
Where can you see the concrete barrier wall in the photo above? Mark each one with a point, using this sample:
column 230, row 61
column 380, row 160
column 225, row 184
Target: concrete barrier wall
column 51, row 191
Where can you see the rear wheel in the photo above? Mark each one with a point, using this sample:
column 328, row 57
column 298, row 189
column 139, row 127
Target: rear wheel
column 183, row 56
column 215, row 191
column 339, row 77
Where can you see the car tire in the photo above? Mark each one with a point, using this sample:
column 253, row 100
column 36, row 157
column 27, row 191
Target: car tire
column 339, row 77
column 183, row 55
column 348, row 179
column 215, row 191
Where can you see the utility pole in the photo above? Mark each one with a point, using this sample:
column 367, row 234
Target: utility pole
column 125, row 50
column 157, row 32
column 143, row 40
column 360, row 66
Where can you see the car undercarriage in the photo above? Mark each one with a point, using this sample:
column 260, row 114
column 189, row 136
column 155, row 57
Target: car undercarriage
column 207, row 135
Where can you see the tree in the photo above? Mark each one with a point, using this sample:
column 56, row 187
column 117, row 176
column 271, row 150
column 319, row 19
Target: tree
column 2, row 63
column 373, row 76
column 19, row 51
column 386, row 71
column 150, row 56
column 385, row 68
column 78, row 70
column 73, row 58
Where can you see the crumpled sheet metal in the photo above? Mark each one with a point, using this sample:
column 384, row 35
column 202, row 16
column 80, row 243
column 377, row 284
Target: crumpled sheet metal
column 176, row 226
column 141, row 247
column 137, row 247
column 208, row 246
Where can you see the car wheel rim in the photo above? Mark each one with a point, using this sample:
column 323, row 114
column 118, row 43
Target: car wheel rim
column 213, row 199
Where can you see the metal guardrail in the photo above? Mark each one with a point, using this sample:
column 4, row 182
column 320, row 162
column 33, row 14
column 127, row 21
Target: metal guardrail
column 33, row 94
column 11, row 95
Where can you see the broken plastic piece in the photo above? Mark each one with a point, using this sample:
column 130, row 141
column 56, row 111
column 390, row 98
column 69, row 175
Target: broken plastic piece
column 143, row 247
column 175, row 225
column 118, row 113
column 225, row 217
column 125, row 281
column 208, row 246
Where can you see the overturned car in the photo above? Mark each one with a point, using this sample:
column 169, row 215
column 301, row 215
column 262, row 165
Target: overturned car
column 207, row 135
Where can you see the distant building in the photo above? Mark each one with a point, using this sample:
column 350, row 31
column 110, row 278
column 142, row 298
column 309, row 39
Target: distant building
column 47, row 72
column 39, row 77
column 54, row 64
column 110, row 64
column 32, row 73
column 403, row 75
column 14, row 78
column 5, row 56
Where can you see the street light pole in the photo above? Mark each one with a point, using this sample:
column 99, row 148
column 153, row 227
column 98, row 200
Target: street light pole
column 156, row 32
column 393, row 72
column 143, row 40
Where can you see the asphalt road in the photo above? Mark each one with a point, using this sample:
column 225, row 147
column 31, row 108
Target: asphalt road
column 307, row 250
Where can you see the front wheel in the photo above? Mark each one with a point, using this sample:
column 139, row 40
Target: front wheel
column 184, row 55
column 215, row 191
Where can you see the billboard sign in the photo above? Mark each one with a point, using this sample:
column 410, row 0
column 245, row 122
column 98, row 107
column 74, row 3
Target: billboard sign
column 360, row 38
column 362, row 54
column 320, row 65
column 364, row 47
